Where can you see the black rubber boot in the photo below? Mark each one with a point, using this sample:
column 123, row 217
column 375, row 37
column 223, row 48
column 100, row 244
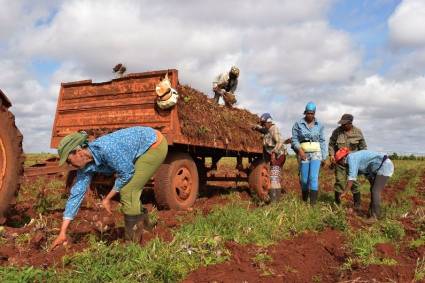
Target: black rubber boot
column 133, row 227
column 357, row 201
column 148, row 225
column 313, row 197
column 338, row 198
column 274, row 194
column 305, row 195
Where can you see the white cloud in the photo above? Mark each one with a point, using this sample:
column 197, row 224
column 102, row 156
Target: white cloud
column 18, row 15
column 407, row 28
column 389, row 112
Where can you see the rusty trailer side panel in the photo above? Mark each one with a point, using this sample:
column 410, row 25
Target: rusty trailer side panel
column 120, row 103
column 99, row 108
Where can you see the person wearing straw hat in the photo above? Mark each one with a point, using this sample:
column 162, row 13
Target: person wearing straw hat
column 133, row 154
column 308, row 141
column 377, row 167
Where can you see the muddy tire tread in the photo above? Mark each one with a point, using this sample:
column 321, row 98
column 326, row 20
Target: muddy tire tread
column 12, row 139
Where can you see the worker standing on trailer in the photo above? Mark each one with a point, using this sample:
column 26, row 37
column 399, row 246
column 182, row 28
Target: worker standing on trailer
column 225, row 86
column 308, row 141
column 274, row 152
column 376, row 166
column 351, row 137
column 133, row 154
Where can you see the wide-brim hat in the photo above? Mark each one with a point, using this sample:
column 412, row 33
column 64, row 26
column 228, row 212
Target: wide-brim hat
column 345, row 119
column 69, row 143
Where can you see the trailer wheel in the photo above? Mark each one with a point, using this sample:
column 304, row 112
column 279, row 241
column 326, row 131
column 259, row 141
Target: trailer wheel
column 11, row 160
column 259, row 179
column 177, row 182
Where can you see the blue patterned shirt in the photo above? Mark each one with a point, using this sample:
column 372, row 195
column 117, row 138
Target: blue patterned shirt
column 366, row 162
column 112, row 153
column 301, row 132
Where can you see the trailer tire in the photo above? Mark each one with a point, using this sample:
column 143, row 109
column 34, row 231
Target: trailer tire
column 176, row 182
column 259, row 179
column 11, row 160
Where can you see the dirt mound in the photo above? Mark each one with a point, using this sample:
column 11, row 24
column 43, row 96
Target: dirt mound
column 205, row 121
column 310, row 257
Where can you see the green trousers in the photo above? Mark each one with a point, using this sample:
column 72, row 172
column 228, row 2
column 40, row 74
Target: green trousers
column 341, row 179
column 144, row 168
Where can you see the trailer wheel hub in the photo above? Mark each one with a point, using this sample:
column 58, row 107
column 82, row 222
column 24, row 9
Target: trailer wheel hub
column 265, row 181
column 183, row 183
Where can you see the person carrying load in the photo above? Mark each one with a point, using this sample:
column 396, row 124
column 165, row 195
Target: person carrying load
column 225, row 86
column 308, row 141
column 377, row 167
column 133, row 154
column 274, row 152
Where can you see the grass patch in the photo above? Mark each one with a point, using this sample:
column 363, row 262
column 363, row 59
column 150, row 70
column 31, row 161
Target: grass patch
column 420, row 269
column 34, row 158
column 416, row 243
column 44, row 193
column 362, row 242
column 26, row 274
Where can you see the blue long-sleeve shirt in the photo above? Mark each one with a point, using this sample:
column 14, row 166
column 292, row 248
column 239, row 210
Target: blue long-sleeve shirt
column 366, row 162
column 112, row 153
column 301, row 132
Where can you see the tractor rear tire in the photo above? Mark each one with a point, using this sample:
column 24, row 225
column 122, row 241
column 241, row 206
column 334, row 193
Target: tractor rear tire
column 11, row 161
column 176, row 183
column 259, row 179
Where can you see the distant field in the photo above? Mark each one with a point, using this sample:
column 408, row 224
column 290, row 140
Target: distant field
column 33, row 158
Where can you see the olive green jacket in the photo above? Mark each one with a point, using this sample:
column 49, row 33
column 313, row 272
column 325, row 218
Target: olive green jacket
column 353, row 139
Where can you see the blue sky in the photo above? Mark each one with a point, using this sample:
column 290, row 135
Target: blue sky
column 366, row 22
column 358, row 56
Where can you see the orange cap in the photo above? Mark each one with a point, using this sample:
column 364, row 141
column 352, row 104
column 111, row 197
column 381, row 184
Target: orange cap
column 341, row 153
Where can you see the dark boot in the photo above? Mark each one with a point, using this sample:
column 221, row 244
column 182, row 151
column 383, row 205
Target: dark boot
column 357, row 201
column 274, row 194
column 337, row 198
column 133, row 227
column 305, row 195
column 313, row 197
column 148, row 225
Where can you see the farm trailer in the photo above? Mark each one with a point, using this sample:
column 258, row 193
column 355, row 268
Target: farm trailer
column 100, row 108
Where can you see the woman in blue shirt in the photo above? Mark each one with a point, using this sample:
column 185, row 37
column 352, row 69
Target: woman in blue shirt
column 133, row 154
column 308, row 142
column 377, row 167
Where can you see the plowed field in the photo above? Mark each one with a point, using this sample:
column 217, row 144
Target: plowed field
column 228, row 236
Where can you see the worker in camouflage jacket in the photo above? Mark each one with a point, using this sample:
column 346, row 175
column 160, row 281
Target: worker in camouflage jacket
column 225, row 86
column 351, row 137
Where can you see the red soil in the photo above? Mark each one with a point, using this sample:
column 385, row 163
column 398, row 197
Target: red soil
column 306, row 258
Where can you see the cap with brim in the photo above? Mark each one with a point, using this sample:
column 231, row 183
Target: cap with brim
column 345, row 119
column 69, row 143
